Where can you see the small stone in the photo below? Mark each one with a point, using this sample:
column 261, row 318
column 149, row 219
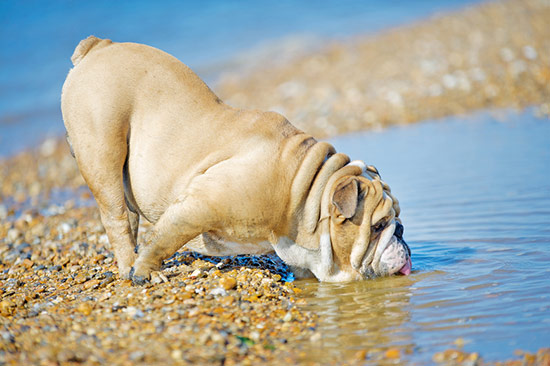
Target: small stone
column 158, row 278
column 316, row 337
column 438, row 357
column 64, row 228
column 288, row 317
column 7, row 308
column 27, row 263
column 227, row 300
column 196, row 273
column 473, row 357
column 218, row 291
column 176, row 355
column 255, row 336
column 98, row 258
column 228, row 283
column 137, row 356
column 84, row 308
column 134, row 312
column 393, row 353
column 450, row 355
column 13, row 235
column 360, row 355
column 460, row 342
column 91, row 284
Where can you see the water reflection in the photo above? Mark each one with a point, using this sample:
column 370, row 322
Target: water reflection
column 366, row 315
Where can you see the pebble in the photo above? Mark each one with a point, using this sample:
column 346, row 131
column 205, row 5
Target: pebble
column 84, row 308
column 393, row 353
column 228, row 283
column 196, row 273
column 218, row 291
column 13, row 235
column 7, row 308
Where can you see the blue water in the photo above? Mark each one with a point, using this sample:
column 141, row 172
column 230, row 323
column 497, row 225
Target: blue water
column 475, row 199
column 37, row 39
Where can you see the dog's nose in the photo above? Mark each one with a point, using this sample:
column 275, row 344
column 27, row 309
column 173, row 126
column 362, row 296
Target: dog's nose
column 399, row 230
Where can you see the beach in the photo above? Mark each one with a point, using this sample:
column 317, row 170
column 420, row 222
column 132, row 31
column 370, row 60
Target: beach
column 494, row 55
column 61, row 300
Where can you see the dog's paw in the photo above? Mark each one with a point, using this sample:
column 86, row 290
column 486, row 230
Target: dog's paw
column 125, row 272
column 138, row 280
column 125, row 264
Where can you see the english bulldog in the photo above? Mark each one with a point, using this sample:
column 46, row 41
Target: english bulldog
column 152, row 140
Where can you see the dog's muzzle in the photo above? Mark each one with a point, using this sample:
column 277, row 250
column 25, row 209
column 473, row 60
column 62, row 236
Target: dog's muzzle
column 392, row 255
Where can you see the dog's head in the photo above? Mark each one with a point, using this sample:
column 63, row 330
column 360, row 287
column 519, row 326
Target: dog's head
column 349, row 227
column 365, row 232
column 355, row 230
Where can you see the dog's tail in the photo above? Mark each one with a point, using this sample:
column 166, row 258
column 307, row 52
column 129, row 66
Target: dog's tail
column 85, row 46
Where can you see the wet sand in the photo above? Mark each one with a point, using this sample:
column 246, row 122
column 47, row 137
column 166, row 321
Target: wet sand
column 61, row 300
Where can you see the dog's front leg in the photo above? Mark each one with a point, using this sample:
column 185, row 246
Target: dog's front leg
column 180, row 223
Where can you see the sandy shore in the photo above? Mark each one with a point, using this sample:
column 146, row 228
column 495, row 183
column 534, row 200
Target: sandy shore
column 496, row 55
column 61, row 300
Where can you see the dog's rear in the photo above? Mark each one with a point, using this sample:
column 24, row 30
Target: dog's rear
column 85, row 46
column 97, row 133
column 111, row 86
column 81, row 50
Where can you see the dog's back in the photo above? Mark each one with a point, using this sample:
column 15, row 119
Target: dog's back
column 140, row 108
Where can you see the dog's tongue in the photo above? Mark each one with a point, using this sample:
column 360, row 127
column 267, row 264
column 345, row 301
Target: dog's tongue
column 406, row 270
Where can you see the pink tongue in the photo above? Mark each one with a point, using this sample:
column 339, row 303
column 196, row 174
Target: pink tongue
column 406, row 270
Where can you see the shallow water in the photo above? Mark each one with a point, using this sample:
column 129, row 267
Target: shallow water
column 475, row 199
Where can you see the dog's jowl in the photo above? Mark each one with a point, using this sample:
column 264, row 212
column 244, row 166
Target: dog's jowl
column 152, row 141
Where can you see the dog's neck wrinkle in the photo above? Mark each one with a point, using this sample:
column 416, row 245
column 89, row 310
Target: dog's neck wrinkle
column 308, row 217
column 313, row 156
column 313, row 204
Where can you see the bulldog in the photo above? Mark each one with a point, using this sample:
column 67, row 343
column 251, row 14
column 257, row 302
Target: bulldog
column 152, row 140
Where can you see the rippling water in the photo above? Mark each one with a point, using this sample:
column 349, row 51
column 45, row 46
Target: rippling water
column 475, row 199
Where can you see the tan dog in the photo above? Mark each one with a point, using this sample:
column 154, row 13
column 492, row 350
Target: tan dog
column 152, row 140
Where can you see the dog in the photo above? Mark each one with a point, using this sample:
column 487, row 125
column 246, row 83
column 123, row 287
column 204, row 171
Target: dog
column 152, row 140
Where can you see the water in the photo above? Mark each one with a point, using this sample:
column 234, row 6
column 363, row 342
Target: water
column 475, row 199
column 37, row 39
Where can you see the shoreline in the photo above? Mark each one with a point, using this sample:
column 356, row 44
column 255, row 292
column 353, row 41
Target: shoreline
column 494, row 55
column 61, row 301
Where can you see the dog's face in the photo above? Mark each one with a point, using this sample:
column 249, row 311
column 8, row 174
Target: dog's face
column 366, row 234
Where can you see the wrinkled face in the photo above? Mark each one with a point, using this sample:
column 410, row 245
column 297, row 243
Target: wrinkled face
column 365, row 232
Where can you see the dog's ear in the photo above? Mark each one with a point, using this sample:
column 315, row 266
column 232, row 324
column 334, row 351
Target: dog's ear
column 345, row 199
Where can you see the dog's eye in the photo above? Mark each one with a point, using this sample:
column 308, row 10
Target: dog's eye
column 378, row 227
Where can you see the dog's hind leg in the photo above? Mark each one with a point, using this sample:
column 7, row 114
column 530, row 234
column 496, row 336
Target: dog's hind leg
column 100, row 157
